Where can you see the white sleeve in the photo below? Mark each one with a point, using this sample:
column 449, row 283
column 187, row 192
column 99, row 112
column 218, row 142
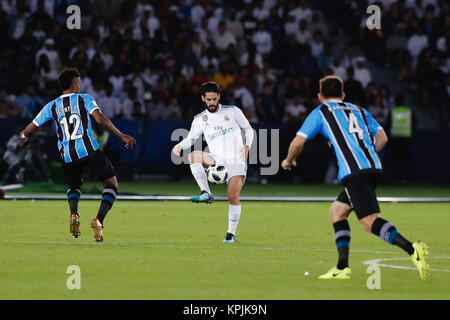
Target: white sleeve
column 193, row 135
column 243, row 122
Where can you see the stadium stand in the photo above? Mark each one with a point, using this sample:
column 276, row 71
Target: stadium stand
column 145, row 60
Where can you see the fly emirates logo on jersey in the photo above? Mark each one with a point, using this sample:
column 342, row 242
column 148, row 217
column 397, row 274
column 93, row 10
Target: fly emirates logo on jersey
column 217, row 131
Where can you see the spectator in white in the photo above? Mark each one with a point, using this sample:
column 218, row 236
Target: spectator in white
column 295, row 111
column 247, row 55
column 38, row 32
column 203, row 32
column 53, row 59
column 262, row 40
column 198, row 12
column 102, row 28
column 137, row 80
column 150, row 78
column 290, row 26
column 198, row 47
column 303, row 35
column 301, row 11
column 265, row 76
column 19, row 24
column 317, row 45
column 234, row 25
column 338, row 69
column 106, row 56
column 416, row 43
column 379, row 111
column 128, row 104
column 98, row 91
column 224, row 38
column 362, row 74
column 86, row 82
column 317, row 24
column 245, row 100
column 152, row 21
column 139, row 11
column 419, row 8
column 116, row 80
column 259, row 12
column 172, row 110
column 348, row 60
column 249, row 22
column 387, row 99
column 209, row 59
column 49, row 6
column 9, row 7
column 213, row 21
column 443, row 43
column 444, row 65
column 109, row 104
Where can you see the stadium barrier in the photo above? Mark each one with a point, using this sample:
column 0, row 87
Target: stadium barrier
column 249, row 199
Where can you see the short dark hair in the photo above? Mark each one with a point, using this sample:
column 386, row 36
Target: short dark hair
column 331, row 87
column 66, row 78
column 209, row 87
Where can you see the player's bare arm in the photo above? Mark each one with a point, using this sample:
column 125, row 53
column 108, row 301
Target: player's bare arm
column 28, row 131
column 106, row 124
column 295, row 149
column 381, row 139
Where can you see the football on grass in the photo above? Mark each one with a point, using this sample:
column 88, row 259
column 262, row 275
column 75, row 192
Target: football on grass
column 217, row 174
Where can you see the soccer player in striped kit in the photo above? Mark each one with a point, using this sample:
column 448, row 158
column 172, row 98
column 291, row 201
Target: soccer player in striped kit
column 356, row 139
column 71, row 114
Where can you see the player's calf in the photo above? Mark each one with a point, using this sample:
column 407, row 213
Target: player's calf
column 73, row 196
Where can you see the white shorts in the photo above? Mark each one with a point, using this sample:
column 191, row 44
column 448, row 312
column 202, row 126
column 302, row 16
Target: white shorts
column 235, row 168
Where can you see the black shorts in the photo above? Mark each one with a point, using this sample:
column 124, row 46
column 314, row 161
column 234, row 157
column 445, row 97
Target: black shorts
column 360, row 194
column 98, row 165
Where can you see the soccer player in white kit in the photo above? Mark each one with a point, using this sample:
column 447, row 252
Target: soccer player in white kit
column 221, row 125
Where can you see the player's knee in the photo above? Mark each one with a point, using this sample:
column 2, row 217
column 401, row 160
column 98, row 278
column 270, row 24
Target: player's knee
column 111, row 182
column 233, row 198
column 339, row 212
column 367, row 222
column 194, row 158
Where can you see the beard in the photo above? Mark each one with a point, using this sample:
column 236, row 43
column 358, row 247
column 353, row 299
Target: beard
column 212, row 108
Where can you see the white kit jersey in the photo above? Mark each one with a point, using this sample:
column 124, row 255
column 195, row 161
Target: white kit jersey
column 222, row 131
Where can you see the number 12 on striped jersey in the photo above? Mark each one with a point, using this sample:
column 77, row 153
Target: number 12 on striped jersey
column 73, row 119
column 353, row 126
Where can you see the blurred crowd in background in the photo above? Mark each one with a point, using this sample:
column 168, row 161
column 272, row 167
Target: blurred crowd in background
column 146, row 59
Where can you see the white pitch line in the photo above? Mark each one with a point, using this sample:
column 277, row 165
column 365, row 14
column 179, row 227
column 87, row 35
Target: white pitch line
column 150, row 245
column 377, row 263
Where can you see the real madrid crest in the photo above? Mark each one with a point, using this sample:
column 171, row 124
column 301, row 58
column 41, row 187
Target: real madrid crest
column 227, row 118
column 205, row 118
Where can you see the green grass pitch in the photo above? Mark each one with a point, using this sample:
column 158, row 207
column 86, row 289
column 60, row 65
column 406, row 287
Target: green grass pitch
column 174, row 250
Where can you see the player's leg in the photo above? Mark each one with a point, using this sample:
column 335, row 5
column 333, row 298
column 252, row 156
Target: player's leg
column 234, row 210
column 339, row 212
column 368, row 211
column 73, row 173
column 199, row 161
column 105, row 171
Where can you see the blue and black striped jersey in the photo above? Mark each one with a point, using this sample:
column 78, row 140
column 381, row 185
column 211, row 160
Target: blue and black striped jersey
column 351, row 130
column 71, row 115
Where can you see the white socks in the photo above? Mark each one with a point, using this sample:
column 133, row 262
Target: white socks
column 234, row 214
column 199, row 174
